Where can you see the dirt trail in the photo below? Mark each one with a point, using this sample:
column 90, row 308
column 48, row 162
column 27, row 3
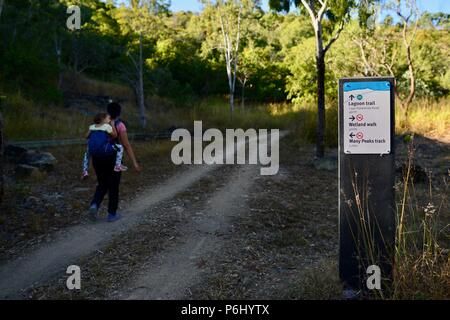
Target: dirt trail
column 78, row 241
column 34, row 268
column 170, row 274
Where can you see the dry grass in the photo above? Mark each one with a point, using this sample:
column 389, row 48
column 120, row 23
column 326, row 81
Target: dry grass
column 422, row 269
column 306, row 129
column 81, row 84
column 215, row 113
column 25, row 120
column 320, row 282
column 422, row 276
column 28, row 120
column 422, row 265
column 427, row 117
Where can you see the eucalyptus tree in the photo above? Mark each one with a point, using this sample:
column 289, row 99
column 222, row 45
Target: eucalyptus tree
column 141, row 18
column 387, row 49
column 328, row 18
column 227, row 23
column 409, row 15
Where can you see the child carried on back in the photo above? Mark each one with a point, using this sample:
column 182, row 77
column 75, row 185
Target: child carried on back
column 101, row 143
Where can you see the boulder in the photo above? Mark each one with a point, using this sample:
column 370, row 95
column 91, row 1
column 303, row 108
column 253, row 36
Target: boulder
column 45, row 161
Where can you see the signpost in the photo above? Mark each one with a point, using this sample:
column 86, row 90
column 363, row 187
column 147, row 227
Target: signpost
column 366, row 180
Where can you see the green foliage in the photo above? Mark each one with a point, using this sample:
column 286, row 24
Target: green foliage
column 277, row 58
column 25, row 70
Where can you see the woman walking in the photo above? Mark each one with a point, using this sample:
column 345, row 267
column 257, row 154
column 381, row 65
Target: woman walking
column 109, row 179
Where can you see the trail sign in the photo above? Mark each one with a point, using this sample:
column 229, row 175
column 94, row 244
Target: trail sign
column 367, row 117
column 366, row 179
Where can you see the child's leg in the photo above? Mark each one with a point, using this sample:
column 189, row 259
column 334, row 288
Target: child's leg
column 86, row 161
column 119, row 156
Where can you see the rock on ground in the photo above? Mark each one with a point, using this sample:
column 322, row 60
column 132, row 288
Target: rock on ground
column 45, row 161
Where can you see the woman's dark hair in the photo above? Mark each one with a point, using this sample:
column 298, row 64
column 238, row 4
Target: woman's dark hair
column 114, row 109
column 99, row 117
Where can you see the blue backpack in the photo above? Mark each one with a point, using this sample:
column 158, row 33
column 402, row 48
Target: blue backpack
column 100, row 144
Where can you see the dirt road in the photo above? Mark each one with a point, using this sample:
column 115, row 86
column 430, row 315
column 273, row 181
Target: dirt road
column 40, row 265
column 167, row 273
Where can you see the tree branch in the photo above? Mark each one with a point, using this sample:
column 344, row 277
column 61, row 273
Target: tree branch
column 336, row 36
column 311, row 14
column 322, row 10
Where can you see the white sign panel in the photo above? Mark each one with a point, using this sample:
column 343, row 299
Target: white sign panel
column 367, row 117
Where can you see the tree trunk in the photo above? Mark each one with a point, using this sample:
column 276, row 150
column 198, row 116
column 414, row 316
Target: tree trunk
column 1, row 157
column 412, row 79
column 140, row 90
column 243, row 95
column 231, row 103
column 320, row 143
column 2, row 2
column 231, row 84
column 407, row 44
column 320, row 66
column 58, row 59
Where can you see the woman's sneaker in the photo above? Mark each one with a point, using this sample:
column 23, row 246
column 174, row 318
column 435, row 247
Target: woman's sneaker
column 120, row 168
column 93, row 210
column 84, row 175
column 113, row 217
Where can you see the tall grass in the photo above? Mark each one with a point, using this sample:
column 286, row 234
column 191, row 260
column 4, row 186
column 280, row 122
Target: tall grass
column 29, row 120
column 306, row 128
column 370, row 243
column 214, row 113
column 422, row 268
column 422, row 262
column 81, row 84
column 25, row 120
column 427, row 117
